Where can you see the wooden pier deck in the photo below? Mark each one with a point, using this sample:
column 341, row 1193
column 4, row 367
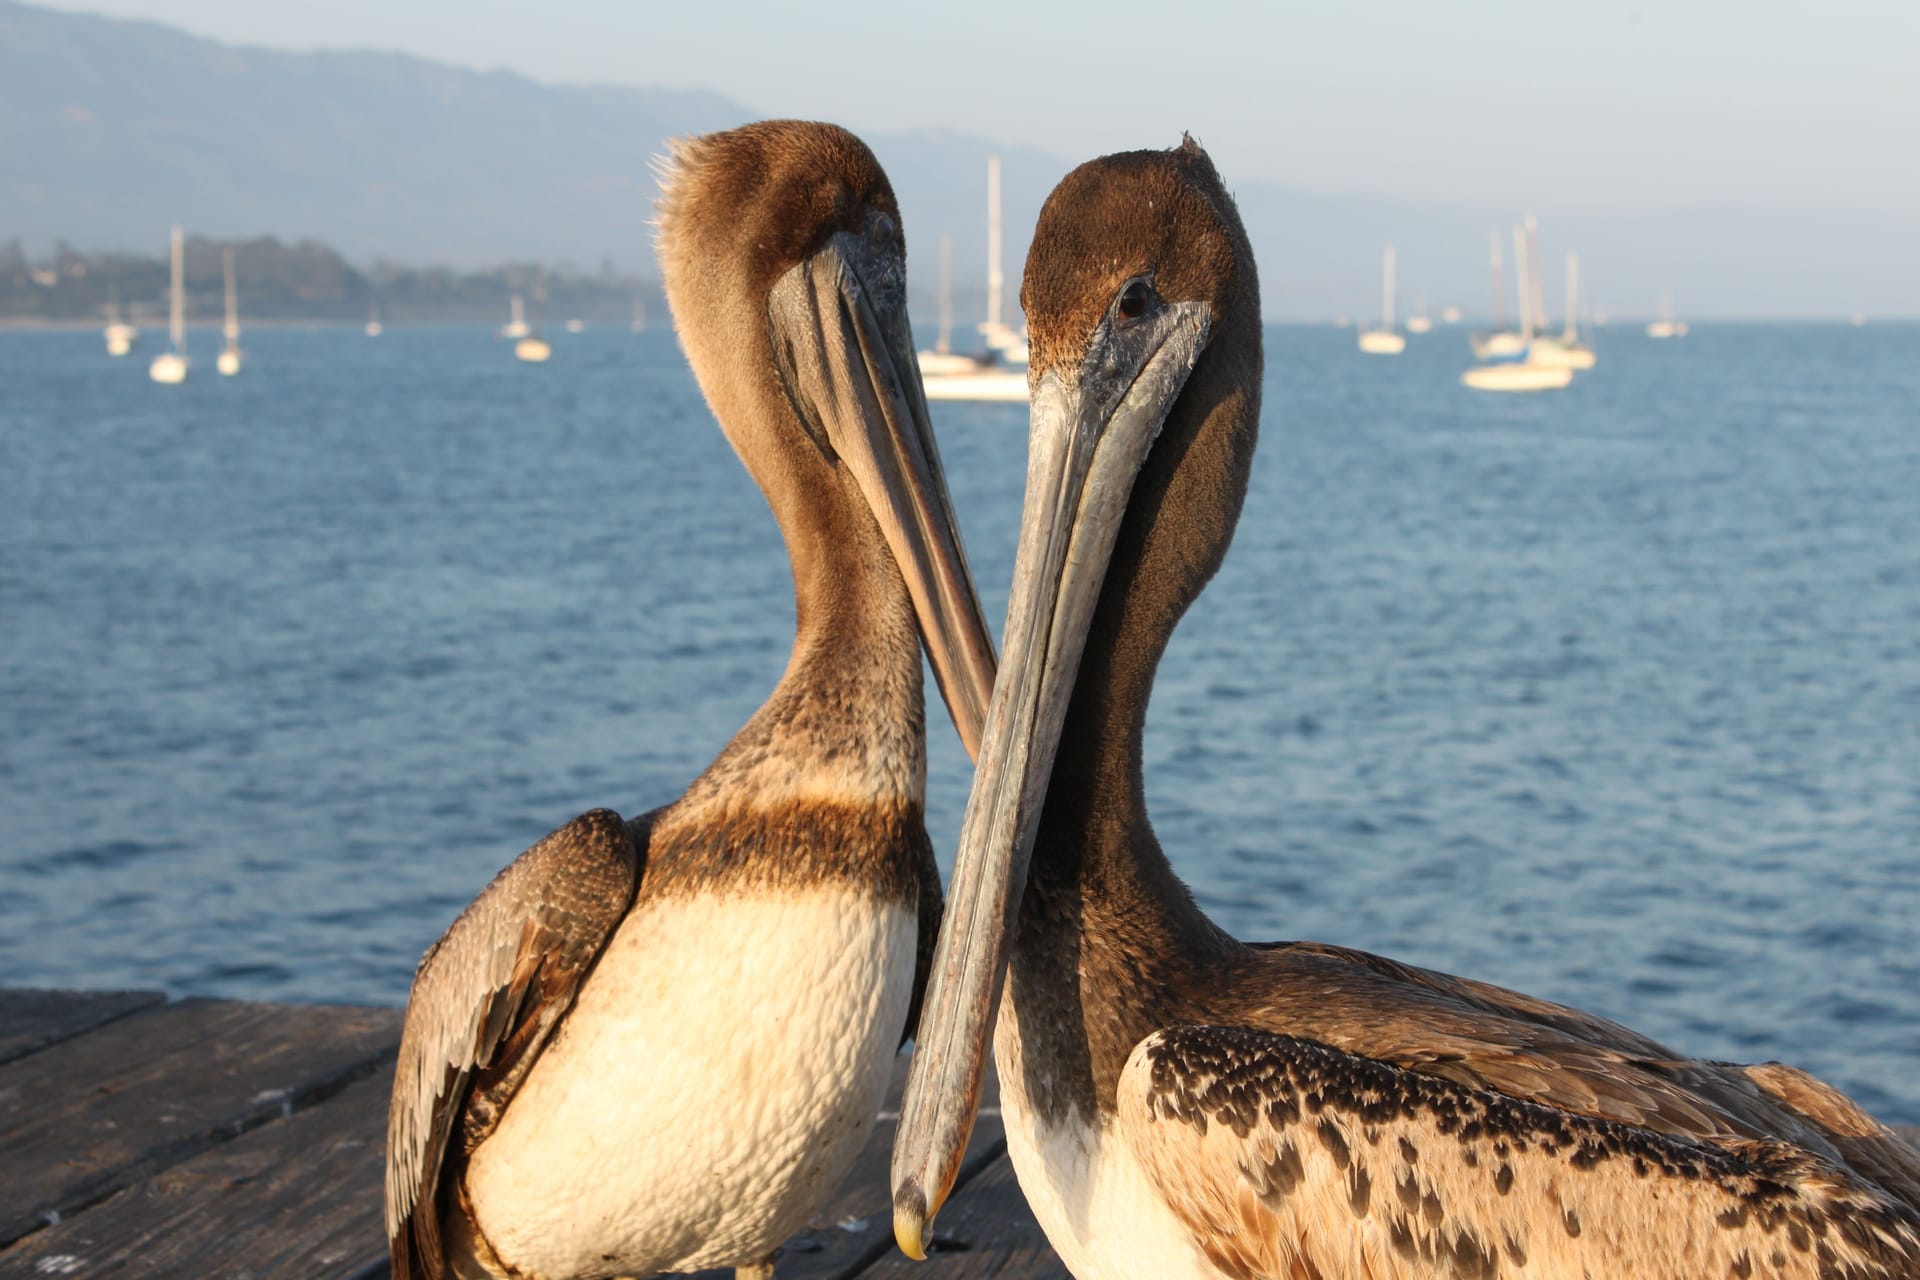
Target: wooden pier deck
column 216, row 1138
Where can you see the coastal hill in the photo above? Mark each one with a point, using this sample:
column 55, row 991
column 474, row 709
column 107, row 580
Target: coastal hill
column 303, row 281
column 111, row 130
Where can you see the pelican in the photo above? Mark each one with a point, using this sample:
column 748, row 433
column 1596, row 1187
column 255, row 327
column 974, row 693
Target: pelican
column 657, row 1044
column 1180, row 1104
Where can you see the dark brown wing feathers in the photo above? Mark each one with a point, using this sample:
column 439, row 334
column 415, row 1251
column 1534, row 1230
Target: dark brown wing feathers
column 485, row 1001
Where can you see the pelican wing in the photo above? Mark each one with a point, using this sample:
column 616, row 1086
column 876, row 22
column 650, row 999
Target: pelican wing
column 1284, row 1157
column 485, row 999
column 1488, row 1037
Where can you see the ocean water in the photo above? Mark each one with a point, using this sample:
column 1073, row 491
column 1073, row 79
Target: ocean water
column 1611, row 695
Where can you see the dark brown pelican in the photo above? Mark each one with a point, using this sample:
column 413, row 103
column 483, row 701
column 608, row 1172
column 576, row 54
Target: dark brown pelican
column 1179, row 1104
column 657, row 1045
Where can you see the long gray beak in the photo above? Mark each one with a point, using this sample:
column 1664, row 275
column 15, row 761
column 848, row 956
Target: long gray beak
column 1089, row 438
column 845, row 348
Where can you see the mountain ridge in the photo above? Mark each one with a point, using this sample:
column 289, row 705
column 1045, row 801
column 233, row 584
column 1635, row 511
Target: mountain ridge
column 112, row 129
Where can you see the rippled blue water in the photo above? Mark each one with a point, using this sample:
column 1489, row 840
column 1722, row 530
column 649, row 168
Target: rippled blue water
column 1612, row 695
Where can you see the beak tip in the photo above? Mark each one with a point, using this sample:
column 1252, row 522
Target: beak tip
column 910, row 1220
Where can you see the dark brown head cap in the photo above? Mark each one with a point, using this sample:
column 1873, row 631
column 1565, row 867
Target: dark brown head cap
column 1160, row 214
column 763, row 197
column 737, row 211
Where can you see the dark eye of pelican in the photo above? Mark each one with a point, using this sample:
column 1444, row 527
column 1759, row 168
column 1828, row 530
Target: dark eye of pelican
column 880, row 232
column 1134, row 299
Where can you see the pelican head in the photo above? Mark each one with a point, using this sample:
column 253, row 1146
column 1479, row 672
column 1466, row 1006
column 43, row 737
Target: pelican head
column 783, row 238
column 1143, row 312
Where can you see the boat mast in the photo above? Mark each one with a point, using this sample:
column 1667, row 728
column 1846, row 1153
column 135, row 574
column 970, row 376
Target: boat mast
column 1386, row 292
column 1573, row 297
column 1520, row 278
column 994, row 279
column 178, row 324
column 1499, row 294
column 945, row 344
column 1534, row 274
column 233, row 301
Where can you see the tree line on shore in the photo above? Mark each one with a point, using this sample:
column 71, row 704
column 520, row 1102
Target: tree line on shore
column 306, row 280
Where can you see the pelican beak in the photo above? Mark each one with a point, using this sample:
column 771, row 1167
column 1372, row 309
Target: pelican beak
column 845, row 350
column 1091, row 432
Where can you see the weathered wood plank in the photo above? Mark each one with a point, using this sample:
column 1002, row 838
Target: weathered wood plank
column 856, row 1227
column 985, row 1230
column 86, row 1117
column 32, row 1020
column 297, row 1198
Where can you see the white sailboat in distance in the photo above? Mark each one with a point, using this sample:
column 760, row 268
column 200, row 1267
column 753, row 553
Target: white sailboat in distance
column 943, row 359
column 1384, row 341
column 998, row 373
column 1566, row 347
column 120, row 334
column 374, row 328
column 1666, row 326
column 1522, row 374
column 1502, row 343
column 1420, row 321
column 516, row 327
column 230, row 355
column 531, row 348
column 171, row 366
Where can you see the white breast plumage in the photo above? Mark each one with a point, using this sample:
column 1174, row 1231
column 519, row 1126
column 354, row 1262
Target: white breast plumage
column 752, row 1037
column 1100, row 1212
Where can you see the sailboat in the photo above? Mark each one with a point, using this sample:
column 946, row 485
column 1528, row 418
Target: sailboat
column 1521, row 374
column 1566, row 348
column 1419, row 321
column 1000, row 335
column 1503, row 343
column 999, row 372
column 230, row 356
column 120, row 334
column 532, row 348
column 639, row 315
column 171, row 366
column 517, row 327
column 943, row 359
column 1384, row 341
column 374, row 328
column 1666, row 326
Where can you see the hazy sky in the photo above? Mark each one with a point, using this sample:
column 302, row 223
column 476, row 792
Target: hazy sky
column 1606, row 106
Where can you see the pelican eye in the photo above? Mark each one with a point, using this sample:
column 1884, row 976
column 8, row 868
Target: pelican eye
column 880, row 232
column 1134, row 300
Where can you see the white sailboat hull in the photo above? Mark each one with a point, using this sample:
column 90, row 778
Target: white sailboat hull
column 1001, row 385
column 1382, row 342
column 1492, row 346
column 229, row 361
column 1560, row 354
column 168, row 367
column 935, row 364
column 1517, row 377
column 532, row 350
column 121, row 338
